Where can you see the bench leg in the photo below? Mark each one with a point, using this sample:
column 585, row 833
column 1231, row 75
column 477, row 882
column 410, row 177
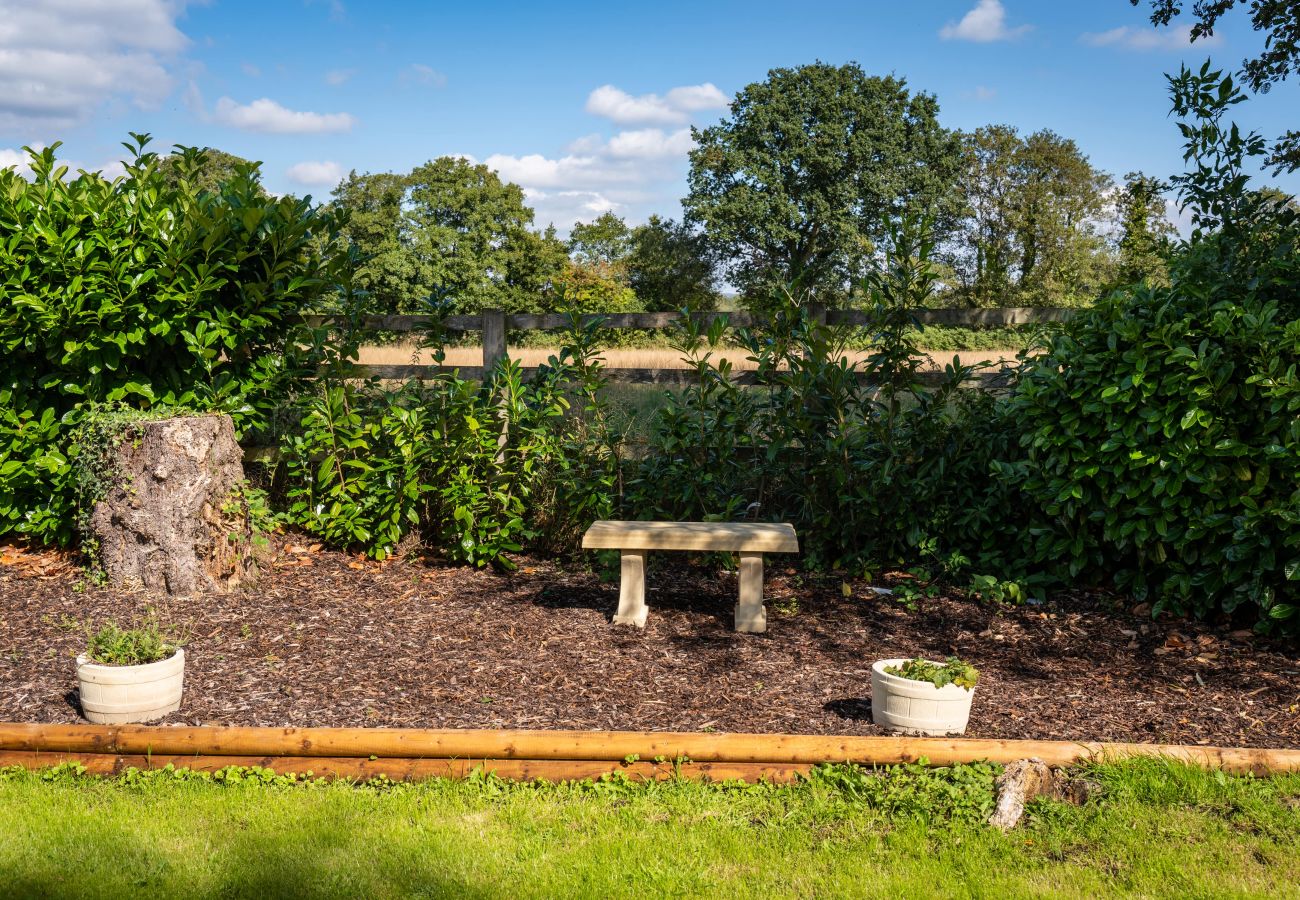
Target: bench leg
column 631, row 590
column 750, row 614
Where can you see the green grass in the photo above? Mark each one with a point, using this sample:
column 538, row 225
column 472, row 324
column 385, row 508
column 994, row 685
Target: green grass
column 1158, row 830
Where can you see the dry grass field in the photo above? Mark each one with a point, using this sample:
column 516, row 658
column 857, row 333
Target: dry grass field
column 632, row 357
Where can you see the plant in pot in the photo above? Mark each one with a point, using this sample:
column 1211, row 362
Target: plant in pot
column 917, row 696
column 130, row 674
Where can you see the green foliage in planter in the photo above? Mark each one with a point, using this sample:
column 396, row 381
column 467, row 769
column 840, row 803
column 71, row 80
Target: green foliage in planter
column 871, row 464
column 1163, row 427
column 953, row 671
column 456, row 461
column 147, row 642
column 145, row 291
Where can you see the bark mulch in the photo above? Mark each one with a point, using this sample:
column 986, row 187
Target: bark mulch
column 329, row 639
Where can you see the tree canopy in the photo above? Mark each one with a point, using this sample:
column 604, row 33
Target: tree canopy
column 1029, row 222
column 390, row 272
column 606, row 241
column 1280, row 22
column 206, row 168
column 662, row 265
column 796, row 186
column 1146, row 234
column 670, row 266
column 451, row 230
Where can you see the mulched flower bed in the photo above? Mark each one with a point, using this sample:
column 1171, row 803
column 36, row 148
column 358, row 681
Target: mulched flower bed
column 329, row 639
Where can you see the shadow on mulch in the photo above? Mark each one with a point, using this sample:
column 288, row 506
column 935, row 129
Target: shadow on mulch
column 852, row 708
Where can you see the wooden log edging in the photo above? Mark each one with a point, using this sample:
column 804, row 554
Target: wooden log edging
column 576, row 750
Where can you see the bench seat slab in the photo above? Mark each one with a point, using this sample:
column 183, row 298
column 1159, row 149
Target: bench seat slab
column 758, row 537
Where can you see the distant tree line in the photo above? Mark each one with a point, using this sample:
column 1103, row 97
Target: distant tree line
column 794, row 190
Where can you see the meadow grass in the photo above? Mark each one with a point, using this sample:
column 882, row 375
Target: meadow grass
column 1158, row 829
column 637, row 357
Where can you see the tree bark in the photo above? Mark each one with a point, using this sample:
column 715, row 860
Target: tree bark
column 174, row 519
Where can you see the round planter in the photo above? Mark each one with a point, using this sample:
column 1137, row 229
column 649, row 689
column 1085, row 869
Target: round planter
column 917, row 707
column 112, row 695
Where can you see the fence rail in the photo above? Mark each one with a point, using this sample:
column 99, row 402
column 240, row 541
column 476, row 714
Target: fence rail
column 494, row 324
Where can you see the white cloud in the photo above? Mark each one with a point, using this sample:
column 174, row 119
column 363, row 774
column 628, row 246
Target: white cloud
column 624, row 174
column 268, row 117
column 633, row 171
column 628, row 157
column 111, row 170
column 322, row 174
column 536, row 171
column 674, row 108
column 650, row 143
column 418, row 73
column 697, row 97
column 1176, row 38
column 61, row 60
column 250, row 70
column 982, row 93
column 15, row 159
column 984, row 23
column 335, row 77
column 566, row 207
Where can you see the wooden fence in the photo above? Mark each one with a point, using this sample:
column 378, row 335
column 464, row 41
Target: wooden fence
column 494, row 324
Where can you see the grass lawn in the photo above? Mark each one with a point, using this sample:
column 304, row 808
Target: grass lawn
column 1156, row 830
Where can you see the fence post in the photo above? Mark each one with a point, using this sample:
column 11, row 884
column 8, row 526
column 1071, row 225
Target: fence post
column 494, row 350
column 494, row 339
column 817, row 312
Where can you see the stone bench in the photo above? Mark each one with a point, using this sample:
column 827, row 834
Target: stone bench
column 635, row 539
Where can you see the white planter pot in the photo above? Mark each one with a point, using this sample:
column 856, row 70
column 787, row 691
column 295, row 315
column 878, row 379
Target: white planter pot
column 112, row 695
column 917, row 707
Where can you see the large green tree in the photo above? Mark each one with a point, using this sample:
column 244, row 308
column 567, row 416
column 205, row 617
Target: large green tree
column 1146, row 235
column 390, row 273
column 1062, row 204
column 796, row 186
column 661, row 265
column 596, row 277
column 605, row 241
column 670, row 266
column 207, row 170
column 984, row 250
column 450, row 230
column 1030, row 226
column 467, row 228
column 1279, row 20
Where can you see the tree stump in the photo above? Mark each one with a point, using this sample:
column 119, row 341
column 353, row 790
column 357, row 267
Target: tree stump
column 1027, row 779
column 173, row 518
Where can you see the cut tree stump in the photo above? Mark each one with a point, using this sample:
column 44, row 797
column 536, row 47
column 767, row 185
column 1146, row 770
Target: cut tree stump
column 1020, row 782
column 174, row 519
column 1027, row 779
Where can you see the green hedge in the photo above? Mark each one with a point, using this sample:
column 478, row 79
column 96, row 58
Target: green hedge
column 144, row 291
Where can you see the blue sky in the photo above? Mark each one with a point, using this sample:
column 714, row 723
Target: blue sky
column 585, row 105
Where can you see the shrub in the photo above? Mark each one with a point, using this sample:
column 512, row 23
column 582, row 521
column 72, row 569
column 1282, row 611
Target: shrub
column 1163, row 427
column 457, row 462
column 872, row 463
column 145, row 291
